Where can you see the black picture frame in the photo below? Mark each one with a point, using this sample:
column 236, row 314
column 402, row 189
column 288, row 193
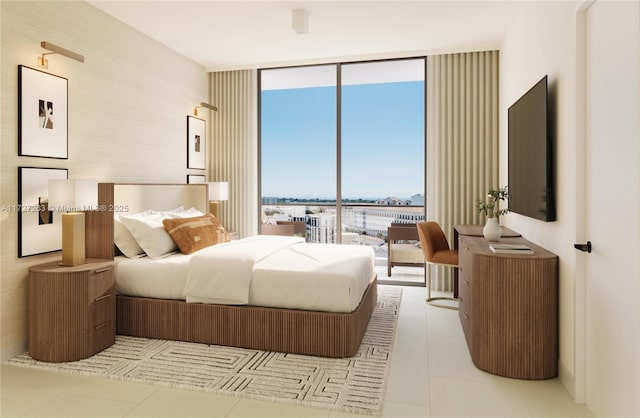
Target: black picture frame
column 43, row 114
column 196, row 143
column 196, row 178
column 39, row 230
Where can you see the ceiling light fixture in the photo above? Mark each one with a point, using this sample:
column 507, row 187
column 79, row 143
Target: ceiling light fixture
column 300, row 21
column 55, row 49
column 205, row 105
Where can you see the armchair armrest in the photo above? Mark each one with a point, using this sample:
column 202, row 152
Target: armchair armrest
column 409, row 232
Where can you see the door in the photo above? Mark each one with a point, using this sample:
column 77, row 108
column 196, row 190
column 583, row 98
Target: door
column 613, row 209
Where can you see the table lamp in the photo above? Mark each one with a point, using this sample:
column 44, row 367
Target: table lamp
column 71, row 197
column 217, row 191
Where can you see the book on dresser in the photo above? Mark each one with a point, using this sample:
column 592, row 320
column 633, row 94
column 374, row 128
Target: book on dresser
column 500, row 248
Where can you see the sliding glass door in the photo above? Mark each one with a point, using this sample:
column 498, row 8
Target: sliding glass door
column 342, row 149
column 298, row 122
column 382, row 147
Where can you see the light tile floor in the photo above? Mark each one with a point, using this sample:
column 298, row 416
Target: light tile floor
column 400, row 274
column 431, row 376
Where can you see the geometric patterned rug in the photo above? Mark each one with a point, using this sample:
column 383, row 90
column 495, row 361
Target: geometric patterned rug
column 356, row 384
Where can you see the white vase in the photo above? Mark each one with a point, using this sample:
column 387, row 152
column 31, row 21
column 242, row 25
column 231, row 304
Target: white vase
column 491, row 230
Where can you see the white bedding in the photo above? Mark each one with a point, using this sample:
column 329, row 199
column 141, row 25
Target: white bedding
column 264, row 270
column 145, row 277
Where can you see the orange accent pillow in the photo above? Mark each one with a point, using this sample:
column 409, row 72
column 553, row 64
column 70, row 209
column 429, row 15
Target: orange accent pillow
column 193, row 234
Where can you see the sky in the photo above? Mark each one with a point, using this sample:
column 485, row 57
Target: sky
column 382, row 141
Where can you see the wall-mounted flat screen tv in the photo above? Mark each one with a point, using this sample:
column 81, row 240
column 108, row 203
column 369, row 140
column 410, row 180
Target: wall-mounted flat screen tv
column 531, row 171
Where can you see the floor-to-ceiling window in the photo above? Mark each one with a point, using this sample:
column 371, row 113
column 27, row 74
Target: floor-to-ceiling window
column 382, row 148
column 342, row 149
column 298, row 119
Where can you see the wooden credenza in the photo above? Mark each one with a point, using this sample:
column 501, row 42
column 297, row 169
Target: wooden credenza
column 71, row 310
column 508, row 306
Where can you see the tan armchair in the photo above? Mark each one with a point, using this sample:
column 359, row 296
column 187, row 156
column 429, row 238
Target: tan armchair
column 399, row 251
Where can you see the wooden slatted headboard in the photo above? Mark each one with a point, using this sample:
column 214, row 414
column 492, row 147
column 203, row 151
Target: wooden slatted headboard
column 131, row 198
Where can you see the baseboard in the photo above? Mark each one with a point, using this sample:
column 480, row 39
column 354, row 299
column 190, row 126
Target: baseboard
column 10, row 351
column 567, row 378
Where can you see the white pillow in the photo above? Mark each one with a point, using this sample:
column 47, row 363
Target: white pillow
column 189, row 213
column 150, row 234
column 123, row 239
column 174, row 211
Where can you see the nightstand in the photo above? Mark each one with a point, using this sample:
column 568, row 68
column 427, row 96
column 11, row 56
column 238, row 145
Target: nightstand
column 72, row 310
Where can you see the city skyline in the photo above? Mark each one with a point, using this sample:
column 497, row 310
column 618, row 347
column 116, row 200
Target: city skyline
column 304, row 199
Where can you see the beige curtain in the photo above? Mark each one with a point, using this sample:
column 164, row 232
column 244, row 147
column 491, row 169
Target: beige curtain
column 462, row 140
column 234, row 150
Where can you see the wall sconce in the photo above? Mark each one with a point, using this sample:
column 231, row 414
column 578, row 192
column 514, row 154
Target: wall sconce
column 55, row 49
column 205, row 105
column 72, row 197
column 217, row 191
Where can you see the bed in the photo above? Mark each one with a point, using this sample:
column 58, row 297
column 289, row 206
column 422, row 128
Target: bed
column 326, row 326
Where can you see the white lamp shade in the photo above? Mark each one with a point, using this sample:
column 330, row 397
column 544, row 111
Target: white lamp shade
column 73, row 195
column 218, row 190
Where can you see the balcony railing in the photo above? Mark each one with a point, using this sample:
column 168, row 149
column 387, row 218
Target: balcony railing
column 362, row 224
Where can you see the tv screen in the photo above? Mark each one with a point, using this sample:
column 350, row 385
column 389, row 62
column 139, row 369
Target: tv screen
column 531, row 185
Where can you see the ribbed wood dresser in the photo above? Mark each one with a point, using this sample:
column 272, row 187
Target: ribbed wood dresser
column 508, row 307
column 71, row 310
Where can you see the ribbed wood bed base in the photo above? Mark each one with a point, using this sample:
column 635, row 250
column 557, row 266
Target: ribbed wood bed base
column 324, row 334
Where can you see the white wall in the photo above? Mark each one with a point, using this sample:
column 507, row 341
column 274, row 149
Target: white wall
column 128, row 105
column 542, row 41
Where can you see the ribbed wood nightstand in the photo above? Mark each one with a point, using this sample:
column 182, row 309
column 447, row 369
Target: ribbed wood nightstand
column 71, row 310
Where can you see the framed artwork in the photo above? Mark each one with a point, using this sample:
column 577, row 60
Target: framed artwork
column 42, row 114
column 196, row 178
column 196, row 143
column 39, row 229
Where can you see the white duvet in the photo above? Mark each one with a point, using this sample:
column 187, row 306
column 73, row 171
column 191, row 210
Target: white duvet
column 223, row 273
column 273, row 271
